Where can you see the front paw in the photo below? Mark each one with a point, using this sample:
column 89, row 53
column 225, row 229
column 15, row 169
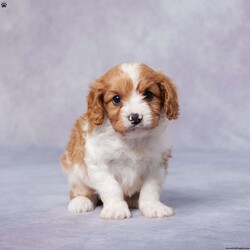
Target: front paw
column 115, row 211
column 80, row 204
column 156, row 210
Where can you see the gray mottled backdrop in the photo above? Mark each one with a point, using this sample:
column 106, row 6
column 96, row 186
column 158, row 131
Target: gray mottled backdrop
column 52, row 50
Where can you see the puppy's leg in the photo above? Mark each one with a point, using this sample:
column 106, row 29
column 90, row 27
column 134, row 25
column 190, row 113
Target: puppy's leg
column 83, row 199
column 149, row 200
column 110, row 191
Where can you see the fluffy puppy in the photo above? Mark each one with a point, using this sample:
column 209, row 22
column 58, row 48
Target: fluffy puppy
column 116, row 149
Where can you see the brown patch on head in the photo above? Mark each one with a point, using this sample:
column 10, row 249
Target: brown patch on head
column 164, row 91
column 148, row 82
column 100, row 99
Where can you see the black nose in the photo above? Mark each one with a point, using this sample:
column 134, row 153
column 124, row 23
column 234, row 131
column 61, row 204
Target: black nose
column 134, row 118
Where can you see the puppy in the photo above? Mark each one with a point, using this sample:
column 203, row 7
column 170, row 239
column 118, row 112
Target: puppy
column 116, row 149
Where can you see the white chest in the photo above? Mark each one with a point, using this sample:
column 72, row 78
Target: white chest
column 128, row 161
column 129, row 172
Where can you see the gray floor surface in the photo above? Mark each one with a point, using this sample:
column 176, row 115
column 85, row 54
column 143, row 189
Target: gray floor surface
column 209, row 191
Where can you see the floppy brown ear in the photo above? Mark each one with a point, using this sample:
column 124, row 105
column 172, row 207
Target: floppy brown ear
column 169, row 97
column 95, row 110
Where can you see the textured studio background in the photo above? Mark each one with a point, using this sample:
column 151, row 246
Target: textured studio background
column 52, row 50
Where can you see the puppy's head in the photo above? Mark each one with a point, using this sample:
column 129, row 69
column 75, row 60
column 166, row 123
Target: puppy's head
column 133, row 97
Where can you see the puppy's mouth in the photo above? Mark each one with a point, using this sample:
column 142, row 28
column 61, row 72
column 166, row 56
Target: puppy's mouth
column 134, row 127
column 138, row 130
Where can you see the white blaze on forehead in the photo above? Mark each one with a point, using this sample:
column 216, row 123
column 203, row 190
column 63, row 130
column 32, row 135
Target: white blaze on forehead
column 135, row 103
column 133, row 70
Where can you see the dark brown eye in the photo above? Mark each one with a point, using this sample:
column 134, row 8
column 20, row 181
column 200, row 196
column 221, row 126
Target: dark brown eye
column 116, row 99
column 148, row 95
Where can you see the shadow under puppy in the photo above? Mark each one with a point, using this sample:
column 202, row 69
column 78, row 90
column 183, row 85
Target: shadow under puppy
column 116, row 149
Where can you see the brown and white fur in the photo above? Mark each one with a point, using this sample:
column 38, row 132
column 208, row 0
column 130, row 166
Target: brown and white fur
column 116, row 157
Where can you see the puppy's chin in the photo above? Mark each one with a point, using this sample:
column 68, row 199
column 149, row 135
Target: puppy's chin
column 138, row 131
